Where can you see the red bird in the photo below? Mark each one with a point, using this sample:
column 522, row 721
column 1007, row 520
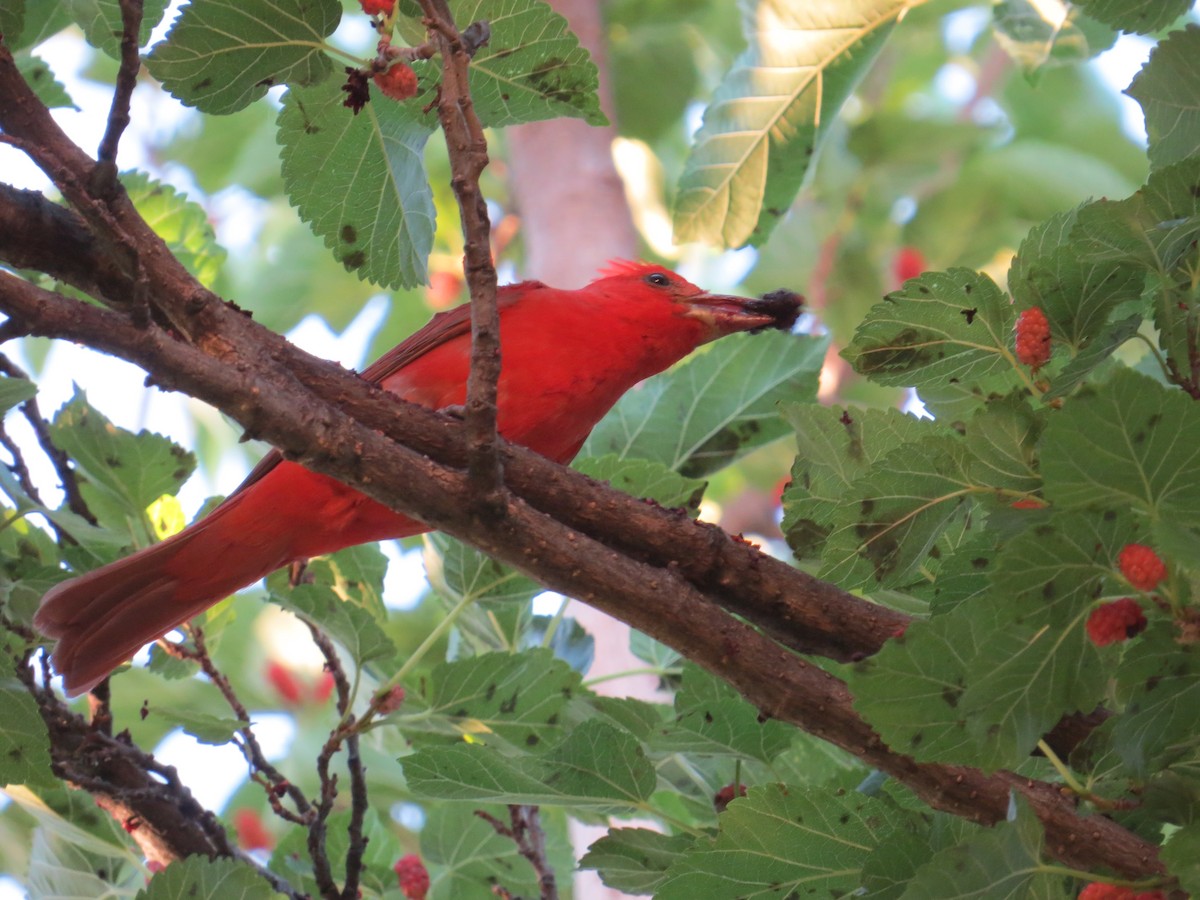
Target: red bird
column 568, row 357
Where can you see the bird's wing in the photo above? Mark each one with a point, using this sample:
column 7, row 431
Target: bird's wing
column 443, row 327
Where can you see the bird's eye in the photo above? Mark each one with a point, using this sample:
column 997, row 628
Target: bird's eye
column 658, row 279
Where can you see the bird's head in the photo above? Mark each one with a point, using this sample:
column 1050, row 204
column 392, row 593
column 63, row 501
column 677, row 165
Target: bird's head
column 718, row 314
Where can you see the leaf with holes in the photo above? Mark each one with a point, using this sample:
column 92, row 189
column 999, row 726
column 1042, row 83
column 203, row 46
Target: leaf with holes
column 372, row 203
column 222, row 55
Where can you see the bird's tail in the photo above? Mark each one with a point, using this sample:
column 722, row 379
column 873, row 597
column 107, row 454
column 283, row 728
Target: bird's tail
column 103, row 617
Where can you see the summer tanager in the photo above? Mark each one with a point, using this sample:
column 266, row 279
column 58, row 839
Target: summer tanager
column 567, row 357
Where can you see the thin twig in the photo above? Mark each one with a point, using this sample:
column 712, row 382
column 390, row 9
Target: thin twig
column 358, row 776
column 105, row 177
column 468, row 152
column 525, row 830
column 260, row 767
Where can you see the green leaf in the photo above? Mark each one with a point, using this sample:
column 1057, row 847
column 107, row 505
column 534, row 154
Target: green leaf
column 1059, row 566
column 222, row 55
column 372, row 203
column 644, row 478
column 1156, row 228
column 635, row 860
column 1168, row 89
column 716, row 721
column 39, row 77
column 24, row 742
column 14, row 391
column 1001, row 439
column 1024, row 680
column 714, row 407
column 532, row 68
column 887, row 524
column 102, row 25
column 181, row 223
column 595, row 765
column 834, row 447
column 350, row 613
column 1129, row 443
column 1076, row 294
column 1036, row 36
column 1181, row 854
column 1000, row 862
column 12, row 18
column 467, row 855
column 1159, row 679
column 1092, row 357
column 66, row 860
column 206, row 728
column 196, row 876
column 1141, row 16
column 123, row 472
column 519, row 698
column 781, row 841
column 772, row 111
column 943, row 327
column 42, row 21
column 291, row 860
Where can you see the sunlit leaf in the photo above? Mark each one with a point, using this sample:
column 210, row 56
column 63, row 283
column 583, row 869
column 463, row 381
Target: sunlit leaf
column 767, row 118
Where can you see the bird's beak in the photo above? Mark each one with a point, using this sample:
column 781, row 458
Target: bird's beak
column 725, row 313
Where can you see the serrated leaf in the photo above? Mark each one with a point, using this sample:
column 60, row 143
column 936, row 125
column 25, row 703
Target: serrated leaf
column 1035, row 35
column 635, row 860
column 781, row 840
column 102, row 24
column 1156, row 228
column 1001, row 439
column 206, row 728
column 519, row 698
column 348, row 621
column 533, row 67
column 498, row 613
column 834, row 447
column 222, row 55
column 711, row 720
column 953, row 326
column 713, row 408
column 911, row 690
column 181, row 223
column 1059, row 564
column 1129, row 443
column 24, row 742
column 771, row 112
column 45, row 87
column 1001, row 862
column 1181, row 854
column 1028, row 678
column 372, row 204
column 14, row 391
column 1168, row 89
column 890, row 519
column 1076, row 294
column 595, row 765
column 644, row 478
column 467, row 854
column 124, row 472
column 1092, row 357
column 197, row 876
column 1140, row 16
column 1160, row 684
